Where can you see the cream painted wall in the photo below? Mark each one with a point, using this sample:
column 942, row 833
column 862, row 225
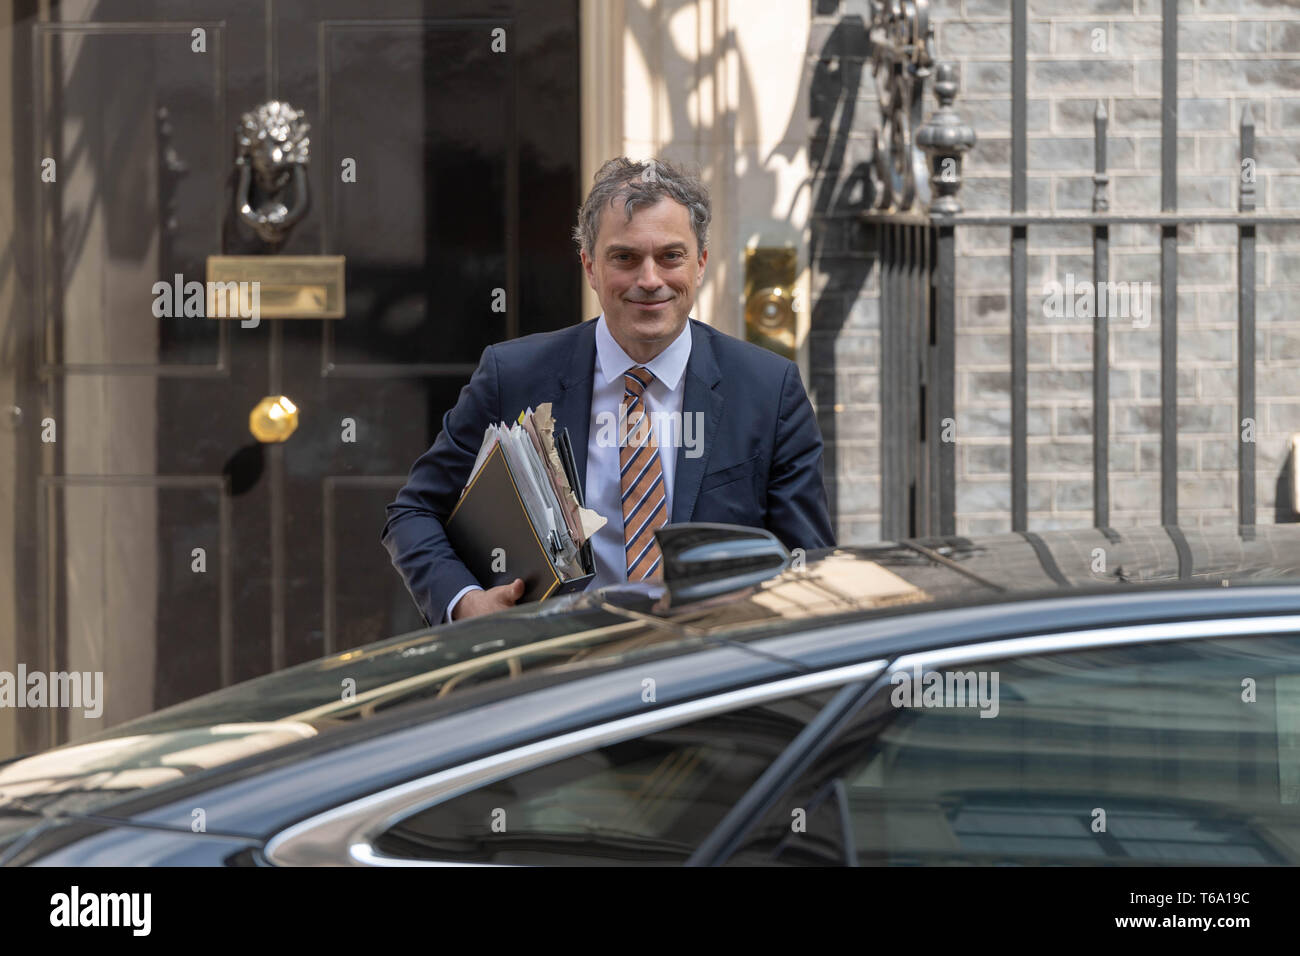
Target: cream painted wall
column 716, row 83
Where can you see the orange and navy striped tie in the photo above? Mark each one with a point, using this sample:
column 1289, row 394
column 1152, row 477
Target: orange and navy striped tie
column 644, row 495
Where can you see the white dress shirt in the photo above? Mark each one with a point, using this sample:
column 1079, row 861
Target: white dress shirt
column 603, row 487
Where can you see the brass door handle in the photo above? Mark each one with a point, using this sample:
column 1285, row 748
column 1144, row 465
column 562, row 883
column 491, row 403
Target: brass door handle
column 273, row 419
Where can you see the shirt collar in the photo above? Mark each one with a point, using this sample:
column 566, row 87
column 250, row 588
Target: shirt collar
column 668, row 366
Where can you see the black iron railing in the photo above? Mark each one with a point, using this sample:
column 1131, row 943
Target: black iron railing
column 918, row 274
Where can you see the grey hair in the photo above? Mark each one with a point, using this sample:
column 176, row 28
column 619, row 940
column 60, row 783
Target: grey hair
column 642, row 184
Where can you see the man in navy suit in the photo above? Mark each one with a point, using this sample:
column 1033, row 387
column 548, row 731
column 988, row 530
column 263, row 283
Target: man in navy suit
column 670, row 419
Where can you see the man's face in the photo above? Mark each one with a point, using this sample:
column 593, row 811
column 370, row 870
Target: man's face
column 645, row 273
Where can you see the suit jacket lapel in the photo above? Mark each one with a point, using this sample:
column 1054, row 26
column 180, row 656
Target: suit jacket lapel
column 702, row 395
column 572, row 409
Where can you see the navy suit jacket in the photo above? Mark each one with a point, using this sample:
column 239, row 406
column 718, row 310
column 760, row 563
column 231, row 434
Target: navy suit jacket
column 761, row 460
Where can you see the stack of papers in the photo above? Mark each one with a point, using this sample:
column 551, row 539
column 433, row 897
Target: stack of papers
column 554, row 506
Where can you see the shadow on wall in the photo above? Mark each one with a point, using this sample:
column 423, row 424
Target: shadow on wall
column 837, row 246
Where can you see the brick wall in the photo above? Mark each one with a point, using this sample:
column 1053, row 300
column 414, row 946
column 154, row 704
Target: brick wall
column 1231, row 52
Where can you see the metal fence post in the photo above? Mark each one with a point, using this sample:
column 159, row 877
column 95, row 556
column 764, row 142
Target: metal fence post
column 1246, row 423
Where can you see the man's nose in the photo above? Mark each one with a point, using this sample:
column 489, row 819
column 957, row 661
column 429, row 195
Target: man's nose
column 648, row 277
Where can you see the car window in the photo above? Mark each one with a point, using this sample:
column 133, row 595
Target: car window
column 650, row 800
column 1162, row 753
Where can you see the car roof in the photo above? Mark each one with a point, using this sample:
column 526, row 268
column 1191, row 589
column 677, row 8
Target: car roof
column 893, row 597
column 422, row 738
column 561, row 639
column 914, row 574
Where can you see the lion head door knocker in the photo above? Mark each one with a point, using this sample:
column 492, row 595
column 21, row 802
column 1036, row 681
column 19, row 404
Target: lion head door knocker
column 271, row 194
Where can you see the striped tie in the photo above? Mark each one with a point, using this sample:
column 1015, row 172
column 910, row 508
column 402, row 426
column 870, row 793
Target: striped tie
column 642, row 481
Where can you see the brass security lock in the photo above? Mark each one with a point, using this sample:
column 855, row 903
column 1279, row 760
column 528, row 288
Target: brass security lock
column 769, row 298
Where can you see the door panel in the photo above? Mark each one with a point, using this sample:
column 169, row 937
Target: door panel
column 135, row 123
column 168, row 548
column 422, row 290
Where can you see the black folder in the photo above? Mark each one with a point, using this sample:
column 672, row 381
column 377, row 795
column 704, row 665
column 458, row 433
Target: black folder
column 491, row 515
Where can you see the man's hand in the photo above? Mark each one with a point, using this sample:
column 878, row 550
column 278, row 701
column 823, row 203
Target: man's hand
column 498, row 598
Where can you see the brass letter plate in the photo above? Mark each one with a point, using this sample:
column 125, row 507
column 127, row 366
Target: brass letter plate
column 288, row 287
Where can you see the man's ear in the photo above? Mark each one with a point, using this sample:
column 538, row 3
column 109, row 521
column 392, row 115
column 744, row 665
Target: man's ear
column 704, row 257
column 587, row 266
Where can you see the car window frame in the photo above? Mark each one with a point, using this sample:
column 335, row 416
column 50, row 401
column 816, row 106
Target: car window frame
column 344, row 835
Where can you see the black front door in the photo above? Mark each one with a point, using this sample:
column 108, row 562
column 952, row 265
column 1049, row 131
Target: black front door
column 159, row 542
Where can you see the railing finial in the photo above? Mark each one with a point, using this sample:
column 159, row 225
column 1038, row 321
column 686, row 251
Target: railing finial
column 944, row 137
column 1247, row 171
column 1100, row 179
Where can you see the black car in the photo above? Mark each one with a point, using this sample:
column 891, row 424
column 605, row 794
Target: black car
column 1072, row 697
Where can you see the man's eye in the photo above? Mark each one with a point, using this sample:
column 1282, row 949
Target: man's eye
column 673, row 255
